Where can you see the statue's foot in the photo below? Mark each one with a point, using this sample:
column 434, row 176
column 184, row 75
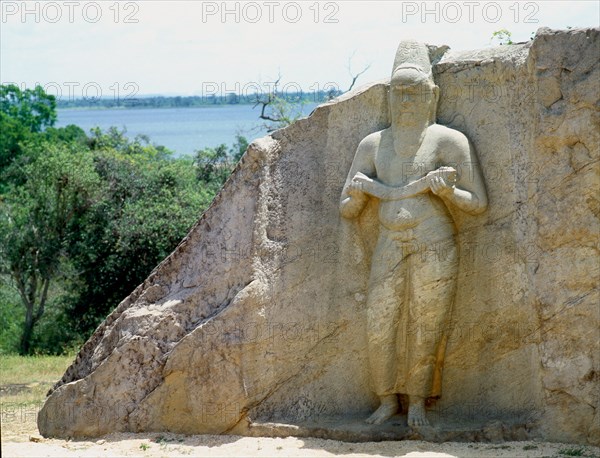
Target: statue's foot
column 416, row 412
column 388, row 408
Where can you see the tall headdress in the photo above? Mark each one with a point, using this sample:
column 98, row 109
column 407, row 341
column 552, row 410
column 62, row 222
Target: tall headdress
column 411, row 64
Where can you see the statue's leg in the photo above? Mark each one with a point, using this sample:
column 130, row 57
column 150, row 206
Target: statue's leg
column 430, row 295
column 386, row 290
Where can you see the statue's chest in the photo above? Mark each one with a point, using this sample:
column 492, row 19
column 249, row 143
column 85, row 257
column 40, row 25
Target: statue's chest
column 399, row 169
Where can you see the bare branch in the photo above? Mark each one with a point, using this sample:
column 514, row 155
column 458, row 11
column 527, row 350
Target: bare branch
column 355, row 76
column 279, row 119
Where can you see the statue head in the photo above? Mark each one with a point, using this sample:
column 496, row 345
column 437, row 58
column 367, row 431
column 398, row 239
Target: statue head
column 413, row 93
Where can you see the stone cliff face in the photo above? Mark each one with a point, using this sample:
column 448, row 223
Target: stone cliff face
column 259, row 315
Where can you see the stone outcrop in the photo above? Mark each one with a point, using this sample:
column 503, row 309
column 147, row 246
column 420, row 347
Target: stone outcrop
column 255, row 324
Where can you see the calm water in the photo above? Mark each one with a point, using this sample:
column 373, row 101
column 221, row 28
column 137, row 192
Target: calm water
column 182, row 130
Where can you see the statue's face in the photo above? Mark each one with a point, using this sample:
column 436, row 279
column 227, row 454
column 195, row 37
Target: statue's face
column 413, row 104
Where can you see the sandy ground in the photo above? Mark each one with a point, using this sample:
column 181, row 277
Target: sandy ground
column 21, row 438
column 172, row 445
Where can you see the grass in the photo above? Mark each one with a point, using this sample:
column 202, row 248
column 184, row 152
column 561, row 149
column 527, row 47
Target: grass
column 26, row 379
column 28, row 369
column 24, row 382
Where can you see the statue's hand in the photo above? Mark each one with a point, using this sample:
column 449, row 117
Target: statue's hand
column 359, row 184
column 360, row 177
column 354, row 189
column 442, row 181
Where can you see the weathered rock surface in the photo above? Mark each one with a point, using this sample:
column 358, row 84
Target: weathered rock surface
column 258, row 317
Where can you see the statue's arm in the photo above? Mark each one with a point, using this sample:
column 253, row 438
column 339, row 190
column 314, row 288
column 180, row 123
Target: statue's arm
column 353, row 198
column 373, row 187
column 384, row 192
column 468, row 193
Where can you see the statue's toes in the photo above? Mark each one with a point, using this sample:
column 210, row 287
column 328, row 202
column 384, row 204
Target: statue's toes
column 379, row 420
column 418, row 422
column 372, row 419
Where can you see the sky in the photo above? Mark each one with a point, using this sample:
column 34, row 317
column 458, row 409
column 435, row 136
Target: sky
column 131, row 48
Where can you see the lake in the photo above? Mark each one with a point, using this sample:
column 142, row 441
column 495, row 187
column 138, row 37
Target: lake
column 182, row 130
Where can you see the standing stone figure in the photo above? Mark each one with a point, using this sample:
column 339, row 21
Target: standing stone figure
column 418, row 170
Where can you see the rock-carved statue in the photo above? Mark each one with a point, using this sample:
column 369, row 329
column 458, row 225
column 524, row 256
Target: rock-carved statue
column 417, row 169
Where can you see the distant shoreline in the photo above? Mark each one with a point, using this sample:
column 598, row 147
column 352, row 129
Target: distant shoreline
column 121, row 107
column 140, row 103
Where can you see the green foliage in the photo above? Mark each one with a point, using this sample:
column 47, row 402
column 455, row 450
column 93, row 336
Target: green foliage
column 32, row 108
column 214, row 165
column 239, row 147
column 278, row 108
column 11, row 319
column 22, row 113
column 36, row 220
column 68, row 134
column 57, row 333
column 12, row 133
column 281, row 113
column 37, row 216
column 116, row 140
column 503, row 36
column 575, row 451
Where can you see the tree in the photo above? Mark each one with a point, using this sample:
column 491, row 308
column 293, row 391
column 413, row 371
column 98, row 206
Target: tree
column 22, row 113
column 239, row 147
column 36, row 220
column 33, row 108
column 214, row 165
column 276, row 109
